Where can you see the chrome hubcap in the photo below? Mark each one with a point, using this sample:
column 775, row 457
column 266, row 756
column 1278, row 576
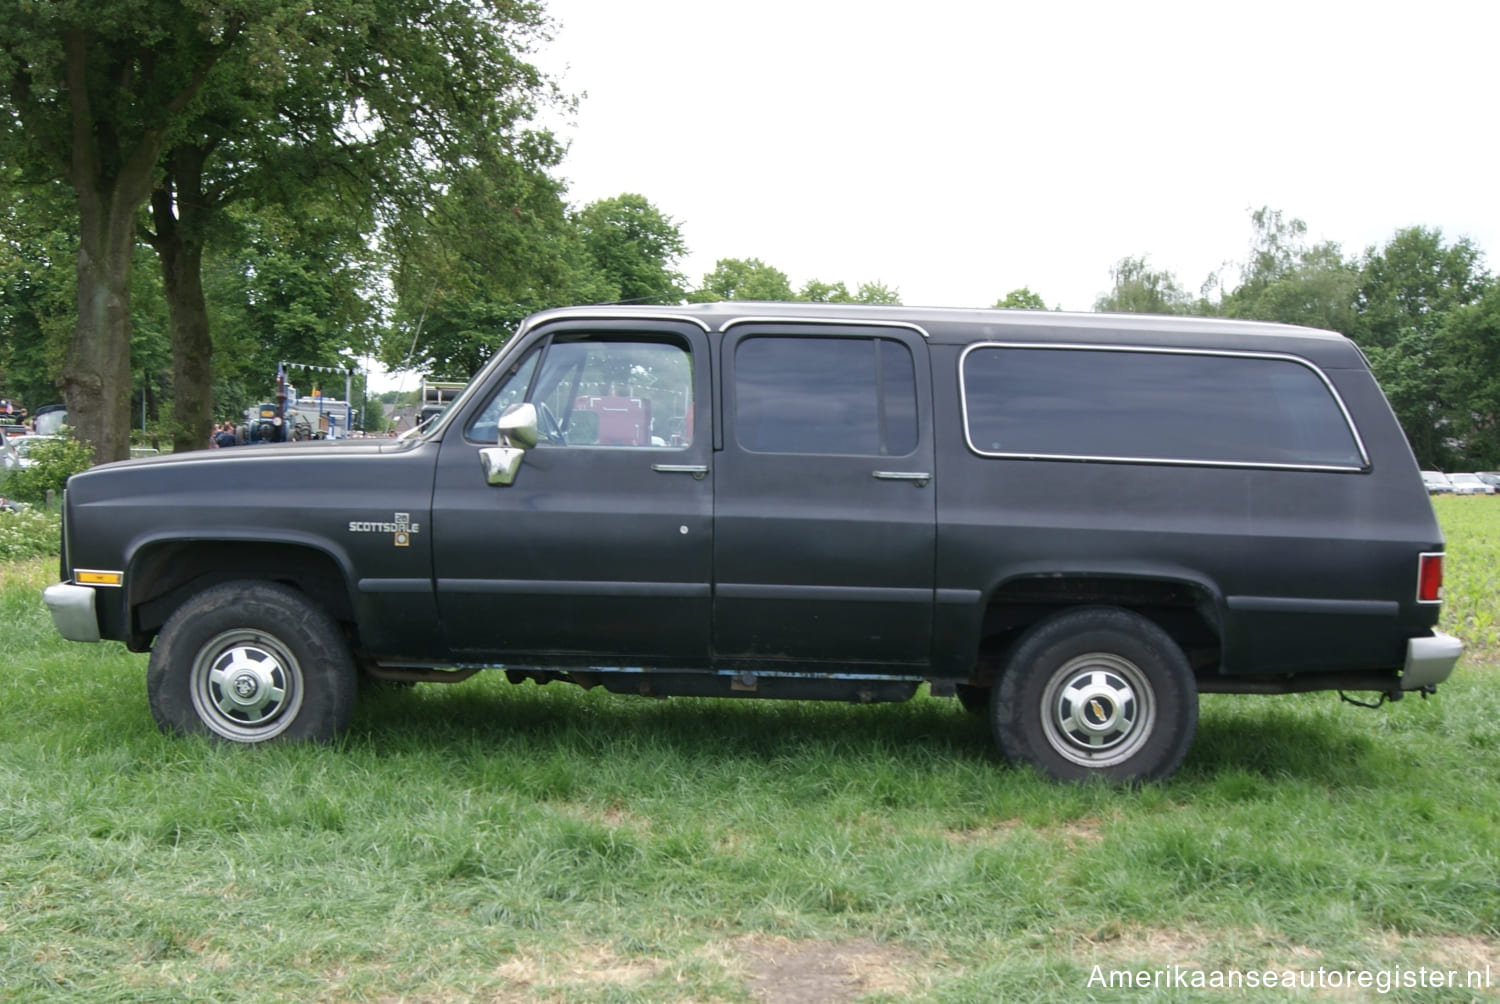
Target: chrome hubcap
column 246, row 686
column 1098, row 709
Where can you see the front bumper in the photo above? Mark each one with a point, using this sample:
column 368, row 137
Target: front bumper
column 1429, row 661
column 72, row 610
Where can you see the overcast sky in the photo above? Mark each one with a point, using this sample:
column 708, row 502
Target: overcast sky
column 959, row 150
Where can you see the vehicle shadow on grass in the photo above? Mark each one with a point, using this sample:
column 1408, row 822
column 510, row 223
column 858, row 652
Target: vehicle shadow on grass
column 561, row 716
column 1267, row 737
column 1287, row 738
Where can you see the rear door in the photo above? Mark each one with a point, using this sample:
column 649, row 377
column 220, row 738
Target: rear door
column 824, row 506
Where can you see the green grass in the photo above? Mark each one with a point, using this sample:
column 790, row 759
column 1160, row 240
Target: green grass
column 489, row 842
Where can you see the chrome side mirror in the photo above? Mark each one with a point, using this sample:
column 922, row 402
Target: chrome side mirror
column 518, row 426
column 518, row 434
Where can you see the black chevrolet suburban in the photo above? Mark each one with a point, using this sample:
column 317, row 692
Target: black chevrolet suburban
column 1074, row 523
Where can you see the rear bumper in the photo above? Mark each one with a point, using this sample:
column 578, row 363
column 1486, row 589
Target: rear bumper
column 72, row 610
column 1429, row 661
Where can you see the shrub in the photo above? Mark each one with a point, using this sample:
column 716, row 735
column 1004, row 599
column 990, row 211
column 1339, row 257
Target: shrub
column 31, row 533
column 55, row 461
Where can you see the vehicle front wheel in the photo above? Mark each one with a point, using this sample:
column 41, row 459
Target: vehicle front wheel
column 250, row 662
column 1096, row 692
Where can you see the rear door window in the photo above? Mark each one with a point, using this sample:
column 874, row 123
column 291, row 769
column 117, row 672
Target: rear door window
column 852, row 396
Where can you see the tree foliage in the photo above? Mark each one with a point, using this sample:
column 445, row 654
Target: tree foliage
column 1285, row 279
column 635, row 248
column 1468, row 345
column 95, row 90
column 1021, row 299
column 195, row 106
column 1406, row 293
column 1140, row 289
column 493, row 247
column 743, row 279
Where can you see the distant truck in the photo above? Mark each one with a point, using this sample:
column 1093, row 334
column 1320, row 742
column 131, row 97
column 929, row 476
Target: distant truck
column 437, row 395
column 303, row 418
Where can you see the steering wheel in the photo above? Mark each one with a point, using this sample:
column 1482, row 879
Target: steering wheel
column 551, row 429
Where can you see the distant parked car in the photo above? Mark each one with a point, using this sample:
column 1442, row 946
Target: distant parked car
column 24, row 444
column 1470, row 484
column 1491, row 478
column 1437, row 483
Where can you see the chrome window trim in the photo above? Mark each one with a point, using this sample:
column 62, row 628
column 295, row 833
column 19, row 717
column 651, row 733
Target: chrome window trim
column 840, row 322
column 583, row 314
column 963, row 395
column 513, row 346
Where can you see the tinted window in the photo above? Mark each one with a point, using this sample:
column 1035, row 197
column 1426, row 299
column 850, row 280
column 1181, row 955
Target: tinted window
column 825, row 395
column 1162, row 406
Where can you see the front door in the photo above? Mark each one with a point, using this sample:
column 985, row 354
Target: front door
column 825, row 520
column 599, row 552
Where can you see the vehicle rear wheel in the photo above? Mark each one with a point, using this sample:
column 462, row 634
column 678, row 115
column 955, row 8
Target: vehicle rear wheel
column 1096, row 692
column 249, row 662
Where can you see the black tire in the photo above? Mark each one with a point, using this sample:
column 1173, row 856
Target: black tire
column 251, row 662
column 1096, row 692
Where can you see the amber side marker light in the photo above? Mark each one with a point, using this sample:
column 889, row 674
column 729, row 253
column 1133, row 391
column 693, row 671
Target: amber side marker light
column 1430, row 578
column 86, row 577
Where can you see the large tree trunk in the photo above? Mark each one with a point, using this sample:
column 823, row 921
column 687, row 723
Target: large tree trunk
column 95, row 380
column 179, row 243
column 111, row 187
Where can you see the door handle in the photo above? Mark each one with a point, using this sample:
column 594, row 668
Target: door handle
column 918, row 478
column 698, row 471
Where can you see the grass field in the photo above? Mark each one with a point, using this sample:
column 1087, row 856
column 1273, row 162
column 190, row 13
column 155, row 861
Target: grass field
column 484, row 842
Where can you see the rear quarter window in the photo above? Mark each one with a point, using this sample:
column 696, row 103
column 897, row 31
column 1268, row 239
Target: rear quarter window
column 1155, row 406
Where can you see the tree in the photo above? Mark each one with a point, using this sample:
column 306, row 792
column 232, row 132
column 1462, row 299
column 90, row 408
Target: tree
column 815, row 291
column 495, row 246
column 1021, row 299
column 1140, row 289
column 877, row 293
column 635, row 247
column 1287, row 280
column 37, row 294
column 1405, row 294
column 743, row 279
column 332, row 131
column 285, row 289
column 130, row 99
column 94, row 90
column 1468, row 342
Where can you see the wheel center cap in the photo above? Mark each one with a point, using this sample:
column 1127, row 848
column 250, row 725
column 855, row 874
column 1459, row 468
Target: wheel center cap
column 246, row 685
column 1098, row 712
column 1099, row 708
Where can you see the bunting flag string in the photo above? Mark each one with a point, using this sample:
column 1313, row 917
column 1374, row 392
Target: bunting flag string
column 317, row 369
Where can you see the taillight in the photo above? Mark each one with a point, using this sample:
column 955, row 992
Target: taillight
column 1430, row 578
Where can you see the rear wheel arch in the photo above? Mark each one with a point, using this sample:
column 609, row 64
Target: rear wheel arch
column 1188, row 609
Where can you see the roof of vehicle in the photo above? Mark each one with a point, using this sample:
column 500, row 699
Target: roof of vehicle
column 961, row 326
